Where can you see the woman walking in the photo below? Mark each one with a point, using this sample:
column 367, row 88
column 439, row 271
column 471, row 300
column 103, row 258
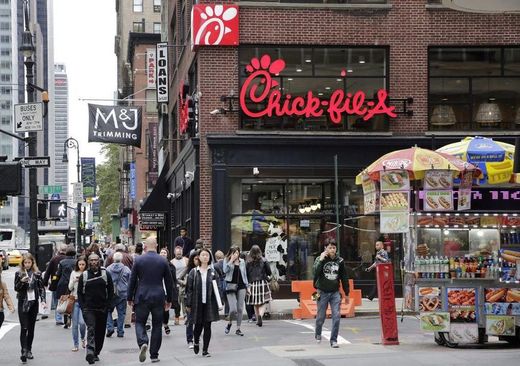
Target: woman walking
column 193, row 262
column 65, row 268
column 28, row 283
column 236, row 287
column 166, row 317
column 4, row 296
column 258, row 274
column 77, row 316
column 201, row 300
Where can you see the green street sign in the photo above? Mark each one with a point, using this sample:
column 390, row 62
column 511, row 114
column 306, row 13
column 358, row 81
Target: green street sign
column 49, row 189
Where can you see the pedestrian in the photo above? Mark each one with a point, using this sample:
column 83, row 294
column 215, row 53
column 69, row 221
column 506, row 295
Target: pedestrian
column 180, row 264
column 201, row 300
column 4, row 296
column 127, row 258
column 258, row 275
column 28, row 284
column 78, row 323
column 381, row 257
column 51, row 274
column 175, row 294
column 120, row 274
column 139, row 248
column 193, row 262
column 199, row 244
column 65, row 268
column 328, row 271
column 148, row 281
column 236, row 287
column 218, row 265
column 184, row 242
column 95, row 294
column 94, row 248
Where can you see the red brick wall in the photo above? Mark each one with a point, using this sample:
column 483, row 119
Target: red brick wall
column 408, row 28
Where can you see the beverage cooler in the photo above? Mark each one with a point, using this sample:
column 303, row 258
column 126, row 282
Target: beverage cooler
column 467, row 287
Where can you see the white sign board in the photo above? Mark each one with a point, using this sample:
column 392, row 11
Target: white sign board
column 161, row 81
column 77, row 195
column 28, row 117
column 150, row 68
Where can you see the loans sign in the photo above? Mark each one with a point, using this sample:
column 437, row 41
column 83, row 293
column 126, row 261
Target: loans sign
column 260, row 88
column 161, row 81
column 115, row 124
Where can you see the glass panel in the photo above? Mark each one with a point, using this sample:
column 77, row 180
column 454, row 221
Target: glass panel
column 464, row 61
column 257, row 198
column 450, row 90
column 451, row 116
column 355, row 61
column 491, row 92
column 512, row 61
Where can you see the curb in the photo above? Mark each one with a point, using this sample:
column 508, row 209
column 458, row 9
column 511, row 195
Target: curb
column 358, row 314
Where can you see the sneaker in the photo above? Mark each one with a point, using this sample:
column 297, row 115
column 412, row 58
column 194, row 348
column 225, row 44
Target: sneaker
column 128, row 326
column 239, row 333
column 317, row 338
column 90, row 359
column 166, row 329
column 196, row 348
column 206, row 354
column 110, row 333
column 190, row 345
column 83, row 343
column 154, row 360
column 228, row 328
column 23, row 357
column 334, row 344
column 120, row 335
column 30, row 355
column 142, row 353
column 75, row 349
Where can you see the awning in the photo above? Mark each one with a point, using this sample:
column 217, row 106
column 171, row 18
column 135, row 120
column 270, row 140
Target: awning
column 157, row 200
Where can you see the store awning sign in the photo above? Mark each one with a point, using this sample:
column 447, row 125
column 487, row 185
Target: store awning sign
column 262, row 89
column 214, row 25
column 115, row 124
column 152, row 220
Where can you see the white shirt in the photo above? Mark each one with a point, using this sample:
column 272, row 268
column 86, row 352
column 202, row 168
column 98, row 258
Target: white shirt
column 204, row 276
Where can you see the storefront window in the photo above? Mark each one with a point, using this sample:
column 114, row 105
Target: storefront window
column 320, row 71
column 474, row 88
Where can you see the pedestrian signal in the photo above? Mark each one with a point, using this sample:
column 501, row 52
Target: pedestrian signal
column 58, row 209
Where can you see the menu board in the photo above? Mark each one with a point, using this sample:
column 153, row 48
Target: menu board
column 395, row 201
column 430, row 299
column 464, row 199
column 502, row 301
column 438, row 179
column 368, row 184
column 436, row 322
column 395, row 180
column 394, row 222
column 500, row 325
column 438, row 201
column 370, row 202
column 462, row 305
column 463, row 333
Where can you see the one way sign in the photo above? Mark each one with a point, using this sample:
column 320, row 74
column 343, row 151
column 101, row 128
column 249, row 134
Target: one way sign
column 57, row 209
column 36, row 161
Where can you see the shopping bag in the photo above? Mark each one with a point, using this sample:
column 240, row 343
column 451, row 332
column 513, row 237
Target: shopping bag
column 217, row 295
column 43, row 310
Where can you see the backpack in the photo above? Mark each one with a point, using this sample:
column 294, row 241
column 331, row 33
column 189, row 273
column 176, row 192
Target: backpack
column 120, row 284
column 86, row 279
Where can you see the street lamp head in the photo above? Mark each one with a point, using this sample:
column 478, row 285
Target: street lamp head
column 65, row 158
column 27, row 46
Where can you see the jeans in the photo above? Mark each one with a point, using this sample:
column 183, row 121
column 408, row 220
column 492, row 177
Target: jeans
column 189, row 328
column 236, row 305
column 334, row 299
column 77, row 322
column 121, row 312
column 27, row 322
column 57, row 316
column 142, row 311
column 96, row 321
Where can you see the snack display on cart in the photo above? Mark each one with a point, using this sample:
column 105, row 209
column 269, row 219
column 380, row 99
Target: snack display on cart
column 394, row 201
column 395, row 180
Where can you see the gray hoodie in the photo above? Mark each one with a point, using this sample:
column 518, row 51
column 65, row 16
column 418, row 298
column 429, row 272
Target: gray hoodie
column 121, row 277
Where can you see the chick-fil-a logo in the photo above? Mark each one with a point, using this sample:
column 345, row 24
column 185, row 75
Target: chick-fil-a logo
column 261, row 88
column 214, row 25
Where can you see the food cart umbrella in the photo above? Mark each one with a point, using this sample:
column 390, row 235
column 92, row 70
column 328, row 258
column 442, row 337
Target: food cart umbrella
column 494, row 158
column 415, row 160
column 256, row 222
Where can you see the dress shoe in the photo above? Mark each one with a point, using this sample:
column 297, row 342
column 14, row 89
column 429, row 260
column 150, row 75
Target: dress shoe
column 110, row 333
column 196, row 348
column 90, row 359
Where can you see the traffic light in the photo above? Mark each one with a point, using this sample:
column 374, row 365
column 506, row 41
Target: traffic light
column 58, row 209
column 42, row 210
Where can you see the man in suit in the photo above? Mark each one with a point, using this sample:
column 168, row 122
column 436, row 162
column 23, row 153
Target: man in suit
column 150, row 276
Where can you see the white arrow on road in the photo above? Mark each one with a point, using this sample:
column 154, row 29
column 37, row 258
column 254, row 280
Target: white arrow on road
column 6, row 327
column 325, row 333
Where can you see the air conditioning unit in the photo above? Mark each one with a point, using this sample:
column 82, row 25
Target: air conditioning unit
column 164, row 108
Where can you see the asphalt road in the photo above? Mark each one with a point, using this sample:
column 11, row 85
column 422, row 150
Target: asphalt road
column 277, row 343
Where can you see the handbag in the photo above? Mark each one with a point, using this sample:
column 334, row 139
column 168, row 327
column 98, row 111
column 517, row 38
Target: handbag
column 231, row 287
column 53, row 286
column 65, row 304
column 274, row 285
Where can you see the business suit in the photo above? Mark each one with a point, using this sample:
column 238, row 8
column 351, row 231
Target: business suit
column 146, row 290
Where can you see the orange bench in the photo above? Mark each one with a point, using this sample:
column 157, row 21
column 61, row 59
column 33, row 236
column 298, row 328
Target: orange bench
column 308, row 308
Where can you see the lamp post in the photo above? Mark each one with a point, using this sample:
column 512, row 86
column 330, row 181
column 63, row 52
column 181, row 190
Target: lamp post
column 72, row 143
column 27, row 48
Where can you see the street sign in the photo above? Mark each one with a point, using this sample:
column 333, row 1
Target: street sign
column 50, row 189
column 55, row 196
column 28, row 117
column 152, row 220
column 36, row 161
column 58, row 209
column 77, row 195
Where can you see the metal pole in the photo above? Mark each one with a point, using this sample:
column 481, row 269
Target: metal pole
column 33, row 184
column 78, row 213
column 336, row 193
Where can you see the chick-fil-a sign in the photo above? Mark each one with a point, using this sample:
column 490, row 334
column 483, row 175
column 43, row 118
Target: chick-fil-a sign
column 261, row 88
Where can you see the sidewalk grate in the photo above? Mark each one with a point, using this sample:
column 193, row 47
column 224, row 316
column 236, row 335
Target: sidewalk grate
column 306, row 362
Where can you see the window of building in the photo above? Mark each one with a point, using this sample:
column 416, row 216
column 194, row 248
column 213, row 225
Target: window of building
column 138, row 27
column 321, row 70
column 5, row 52
column 6, row 120
column 138, row 6
column 157, row 6
column 5, row 64
column 6, row 105
column 5, row 77
column 182, row 23
column 5, row 26
column 151, row 101
column 157, row 27
column 5, row 39
column 474, row 88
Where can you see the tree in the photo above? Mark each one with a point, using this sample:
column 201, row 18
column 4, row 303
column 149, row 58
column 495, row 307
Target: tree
column 108, row 182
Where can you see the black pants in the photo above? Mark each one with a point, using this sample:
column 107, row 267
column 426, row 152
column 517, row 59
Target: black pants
column 201, row 325
column 166, row 317
column 1, row 318
column 27, row 322
column 177, row 308
column 142, row 311
column 96, row 321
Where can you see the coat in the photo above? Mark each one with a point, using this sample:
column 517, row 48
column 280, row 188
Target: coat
column 4, row 296
column 194, row 296
column 149, row 272
column 65, row 268
column 36, row 284
column 230, row 267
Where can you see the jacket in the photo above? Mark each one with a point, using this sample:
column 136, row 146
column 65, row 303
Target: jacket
column 4, row 296
column 96, row 294
column 230, row 267
column 36, row 284
column 175, row 290
column 73, row 284
column 149, row 272
column 121, row 278
column 65, row 268
column 194, row 296
column 52, row 268
column 328, row 273
column 127, row 260
column 258, row 271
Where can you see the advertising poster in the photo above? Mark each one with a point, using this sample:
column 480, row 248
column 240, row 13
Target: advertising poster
column 502, row 301
column 435, row 322
column 464, row 200
column 394, row 222
column 115, row 124
column 370, row 202
column 466, row 181
column 395, row 201
column 463, row 333
column 500, row 325
column 438, row 201
column 88, row 177
column 462, row 305
column 438, row 179
column 368, row 184
column 430, row 299
column 395, row 180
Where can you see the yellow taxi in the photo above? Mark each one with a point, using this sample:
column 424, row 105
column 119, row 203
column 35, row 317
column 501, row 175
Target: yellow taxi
column 15, row 257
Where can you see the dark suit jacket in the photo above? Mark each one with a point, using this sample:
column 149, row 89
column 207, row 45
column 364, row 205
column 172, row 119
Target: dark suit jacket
column 149, row 272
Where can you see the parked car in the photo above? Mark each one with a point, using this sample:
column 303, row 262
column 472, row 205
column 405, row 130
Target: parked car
column 15, row 256
column 4, row 259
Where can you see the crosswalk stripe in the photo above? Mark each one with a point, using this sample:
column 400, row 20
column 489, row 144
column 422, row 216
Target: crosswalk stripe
column 6, row 327
column 325, row 333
